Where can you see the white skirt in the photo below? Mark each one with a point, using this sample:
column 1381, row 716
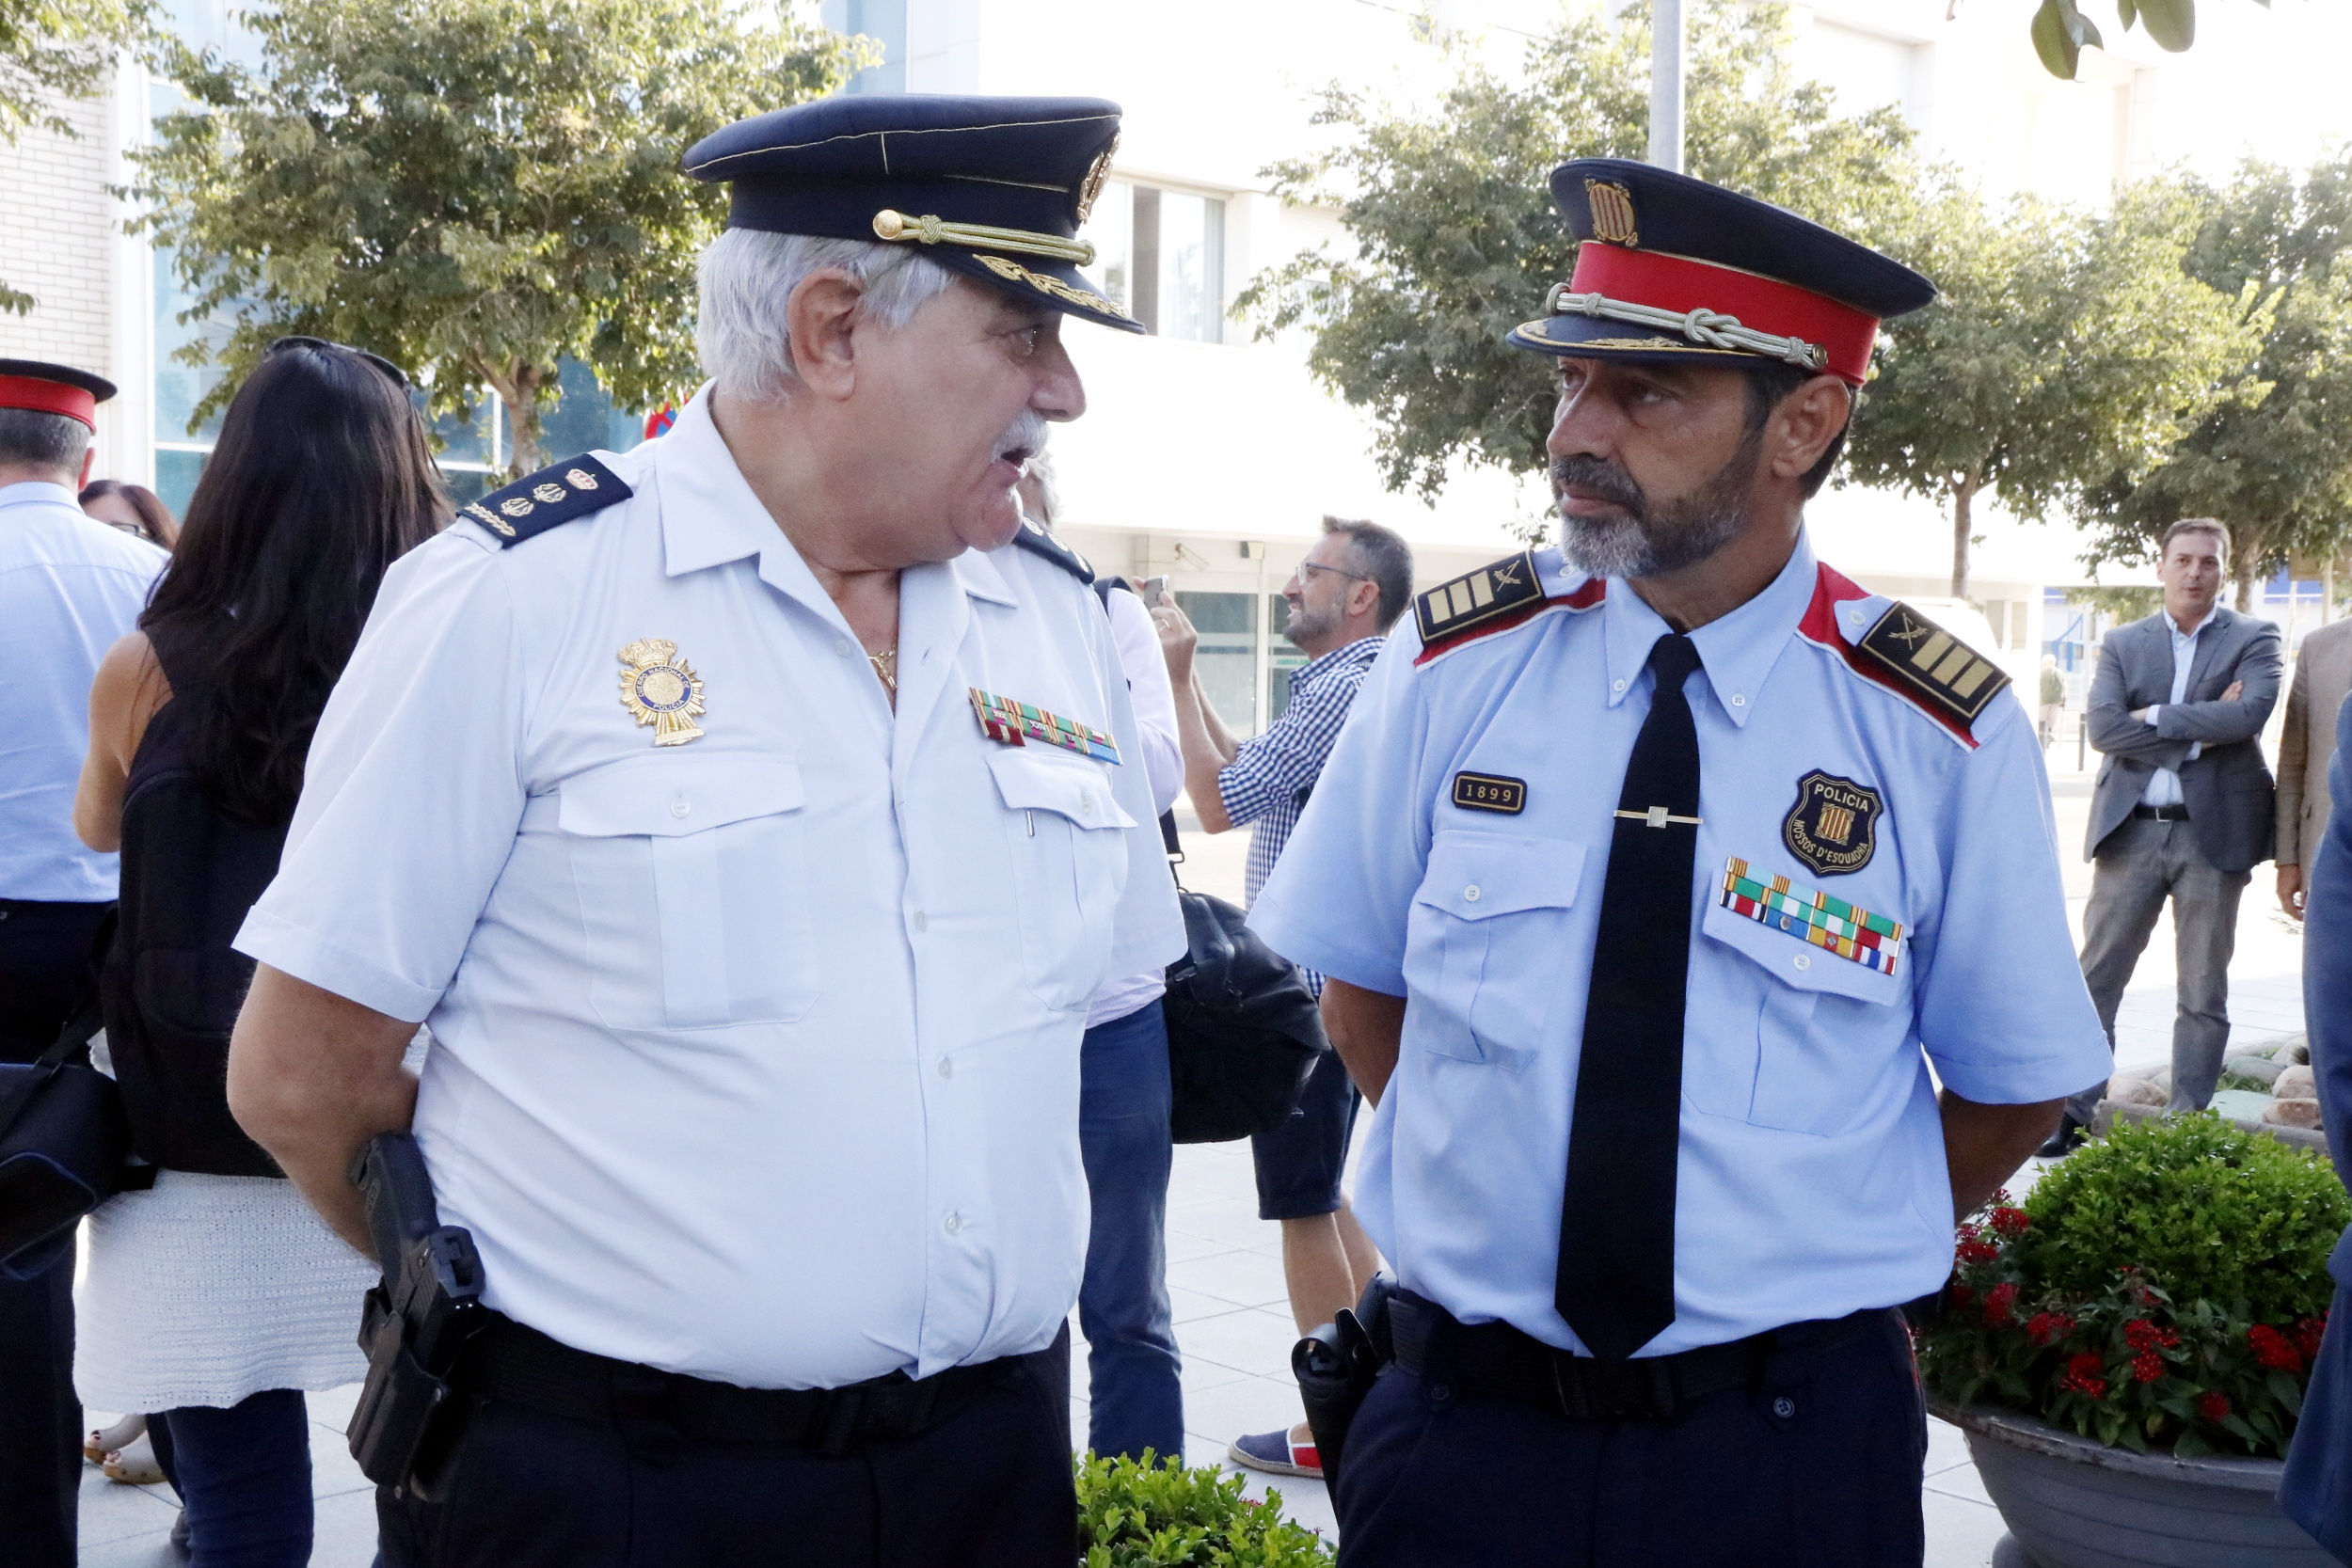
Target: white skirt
column 210, row 1288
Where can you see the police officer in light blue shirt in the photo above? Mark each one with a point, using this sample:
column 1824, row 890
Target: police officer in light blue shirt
column 69, row 586
column 1661, row 878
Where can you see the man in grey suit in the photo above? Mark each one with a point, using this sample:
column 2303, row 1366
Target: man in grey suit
column 2323, row 678
column 2183, row 807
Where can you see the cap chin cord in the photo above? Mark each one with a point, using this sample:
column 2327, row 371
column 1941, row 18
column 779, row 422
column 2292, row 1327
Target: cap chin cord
column 932, row 230
column 1707, row 328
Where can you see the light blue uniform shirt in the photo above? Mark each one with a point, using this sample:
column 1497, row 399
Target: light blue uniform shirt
column 70, row 586
column 1812, row 1179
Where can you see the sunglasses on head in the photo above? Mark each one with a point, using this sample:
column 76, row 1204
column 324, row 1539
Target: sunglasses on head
column 399, row 377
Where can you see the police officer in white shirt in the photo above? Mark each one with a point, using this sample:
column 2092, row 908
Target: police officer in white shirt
column 751, row 815
column 69, row 586
column 1643, row 874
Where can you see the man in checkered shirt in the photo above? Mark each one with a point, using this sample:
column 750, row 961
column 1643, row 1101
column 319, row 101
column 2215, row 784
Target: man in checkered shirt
column 1343, row 599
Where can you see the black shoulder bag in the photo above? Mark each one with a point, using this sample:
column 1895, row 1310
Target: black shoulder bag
column 62, row 1145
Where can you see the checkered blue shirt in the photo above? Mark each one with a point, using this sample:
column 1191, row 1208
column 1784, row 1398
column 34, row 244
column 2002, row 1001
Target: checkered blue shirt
column 1266, row 783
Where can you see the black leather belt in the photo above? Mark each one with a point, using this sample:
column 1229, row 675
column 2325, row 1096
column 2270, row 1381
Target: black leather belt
column 2161, row 814
column 507, row 1360
column 1494, row 1360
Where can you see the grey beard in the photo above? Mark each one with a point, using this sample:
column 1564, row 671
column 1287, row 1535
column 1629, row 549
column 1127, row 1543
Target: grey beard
column 1303, row 624
column 1639, row 543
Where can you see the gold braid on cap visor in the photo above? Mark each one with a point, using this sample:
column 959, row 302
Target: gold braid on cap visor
column 1707, row 328
column 935, row 230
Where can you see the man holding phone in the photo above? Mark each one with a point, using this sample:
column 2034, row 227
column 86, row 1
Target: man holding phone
column 1345, row 595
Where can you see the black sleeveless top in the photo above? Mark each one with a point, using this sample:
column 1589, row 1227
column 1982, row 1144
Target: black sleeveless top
column 172, row 985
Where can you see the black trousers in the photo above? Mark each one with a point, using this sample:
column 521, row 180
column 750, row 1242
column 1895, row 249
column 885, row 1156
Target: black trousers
column 990, row 1487
column 47, row 970
column 1817, row 1466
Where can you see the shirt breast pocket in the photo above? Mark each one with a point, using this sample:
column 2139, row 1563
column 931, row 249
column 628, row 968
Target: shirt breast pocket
column 692, row 881
column 1804, row 1043
column 1066, row 835
column 1486, row 941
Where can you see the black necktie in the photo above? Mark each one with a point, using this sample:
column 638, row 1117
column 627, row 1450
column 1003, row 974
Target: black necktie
column 1616, row 1278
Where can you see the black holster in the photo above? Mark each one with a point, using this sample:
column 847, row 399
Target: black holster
column 1336, row 1366
column 416, row 1322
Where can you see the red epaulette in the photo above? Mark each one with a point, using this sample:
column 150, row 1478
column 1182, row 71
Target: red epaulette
column 1907, row 654
column 1494, row 598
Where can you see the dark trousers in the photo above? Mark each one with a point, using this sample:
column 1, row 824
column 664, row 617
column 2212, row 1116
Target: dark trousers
column 1123, row 1302
column 47, row 972
column 988, row 1488
column 2138, row 867
column 244, row 1475
column 1817, row 1465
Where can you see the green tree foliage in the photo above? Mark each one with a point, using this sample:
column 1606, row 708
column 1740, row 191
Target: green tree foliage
column 51, row 50
column 1458, row 239
column 2274, row 459
column 2061, row 32
column 473, row 188
column 2063, row 349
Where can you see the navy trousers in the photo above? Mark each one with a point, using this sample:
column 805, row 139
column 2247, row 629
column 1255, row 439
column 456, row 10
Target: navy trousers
column 47, row 970
column 244, row 1475
column 988, row 1488
column 2316, row 1490
column 1818, row 1465
column 1122, row 1301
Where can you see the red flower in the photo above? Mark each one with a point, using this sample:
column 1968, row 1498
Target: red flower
column 1975, row 1250
column 2010, row 1221
column 2213, row 1407
column 2307, row 1335
column 2048, row 1328
column 1998, row 1302
column 2147, row 1366
column 2082, row 1375
column 2140, row 1334
column 2273, row 1349
column 1962, row 1295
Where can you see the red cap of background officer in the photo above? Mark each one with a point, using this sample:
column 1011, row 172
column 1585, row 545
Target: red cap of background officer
column 46, row 388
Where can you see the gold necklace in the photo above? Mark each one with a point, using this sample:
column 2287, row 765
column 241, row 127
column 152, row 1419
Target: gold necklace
column 886, row 666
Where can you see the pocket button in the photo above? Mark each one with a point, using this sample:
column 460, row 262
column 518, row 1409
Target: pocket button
column 1470, row 894
column 681, row 808
column 1802, row 960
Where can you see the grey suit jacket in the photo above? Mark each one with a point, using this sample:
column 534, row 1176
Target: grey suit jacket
column 2323, row 678
column 2227, row 788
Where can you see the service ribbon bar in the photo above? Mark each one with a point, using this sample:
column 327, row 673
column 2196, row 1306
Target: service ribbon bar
column 1017, row 723
column 1827, row 923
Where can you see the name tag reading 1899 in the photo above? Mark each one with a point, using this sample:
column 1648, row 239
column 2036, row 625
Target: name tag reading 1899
column 1489, row 792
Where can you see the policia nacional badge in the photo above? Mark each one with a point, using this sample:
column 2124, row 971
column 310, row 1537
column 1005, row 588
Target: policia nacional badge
column 661, row 689
column 1834, row 826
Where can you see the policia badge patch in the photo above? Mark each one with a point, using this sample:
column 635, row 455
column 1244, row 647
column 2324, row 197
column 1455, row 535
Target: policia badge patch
column 1834, row 826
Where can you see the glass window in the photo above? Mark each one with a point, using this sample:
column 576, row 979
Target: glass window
column 1162, row 255
column 1228, row 655
column 1283, row 660
column 885, row 23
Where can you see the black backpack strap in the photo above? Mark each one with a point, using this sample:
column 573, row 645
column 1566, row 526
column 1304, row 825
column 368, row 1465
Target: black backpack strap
column 72, row 1040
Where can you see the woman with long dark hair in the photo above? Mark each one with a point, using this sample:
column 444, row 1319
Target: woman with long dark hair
column 216, row 1299
column 132, row 508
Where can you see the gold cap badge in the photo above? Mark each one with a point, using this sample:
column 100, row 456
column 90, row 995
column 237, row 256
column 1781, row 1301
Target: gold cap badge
column 1612, row 213
column 661, row 689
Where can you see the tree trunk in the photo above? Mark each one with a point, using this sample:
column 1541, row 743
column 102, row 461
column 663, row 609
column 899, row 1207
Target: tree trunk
column 1964, row 490
column 2243, row 570
column 522, row 420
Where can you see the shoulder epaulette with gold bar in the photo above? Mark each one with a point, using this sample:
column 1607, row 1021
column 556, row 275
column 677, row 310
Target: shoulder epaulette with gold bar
column 1477, row 597
column 537, row 503
column 1930, row 665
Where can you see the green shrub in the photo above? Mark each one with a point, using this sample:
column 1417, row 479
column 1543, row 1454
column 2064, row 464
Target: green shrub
column 2204, row 1211
column 1158, row 1514
column 2167, row 1287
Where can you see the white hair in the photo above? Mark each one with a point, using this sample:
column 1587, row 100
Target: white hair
column 747, row 276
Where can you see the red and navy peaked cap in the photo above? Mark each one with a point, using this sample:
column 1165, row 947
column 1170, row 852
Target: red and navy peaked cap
column 1672, row 268
column 994, row 188
column 47, row 389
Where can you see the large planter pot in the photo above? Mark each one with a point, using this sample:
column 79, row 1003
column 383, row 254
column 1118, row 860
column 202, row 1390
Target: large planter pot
column 2074, row 1503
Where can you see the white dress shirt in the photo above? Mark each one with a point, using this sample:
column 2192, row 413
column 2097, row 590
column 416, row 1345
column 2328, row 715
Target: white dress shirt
column 755, row 1057
column 68, row 587
column 2164, row 785
column 1811, row 1180
column 1137, row 641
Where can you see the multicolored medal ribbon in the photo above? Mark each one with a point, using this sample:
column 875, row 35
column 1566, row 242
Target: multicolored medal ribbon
column 1830, row 923
column 1017, row 723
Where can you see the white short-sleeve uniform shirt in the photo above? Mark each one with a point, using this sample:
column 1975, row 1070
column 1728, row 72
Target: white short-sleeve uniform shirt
column 1812, row 1180
column 755, row 1057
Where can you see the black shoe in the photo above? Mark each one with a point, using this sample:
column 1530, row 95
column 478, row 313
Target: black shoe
column 2068, row 1138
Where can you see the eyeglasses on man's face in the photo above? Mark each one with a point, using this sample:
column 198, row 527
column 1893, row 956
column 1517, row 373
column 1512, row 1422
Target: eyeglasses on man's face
column 400, row 377
column 1307, row 566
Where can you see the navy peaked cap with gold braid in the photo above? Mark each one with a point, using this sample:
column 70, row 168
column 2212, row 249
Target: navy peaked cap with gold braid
column 537, row 503
column 994, row 188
